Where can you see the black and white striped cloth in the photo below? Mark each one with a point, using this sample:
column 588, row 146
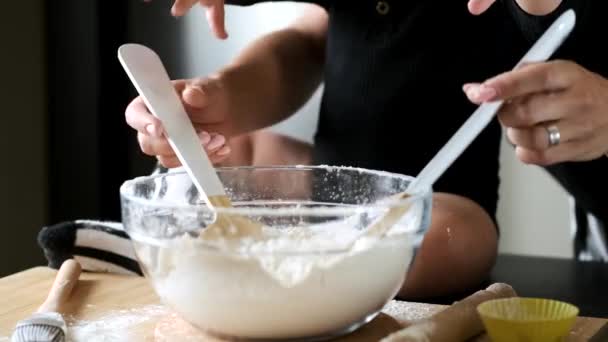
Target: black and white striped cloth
column 97, row 245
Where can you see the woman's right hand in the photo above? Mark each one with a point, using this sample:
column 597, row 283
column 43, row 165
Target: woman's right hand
column 206, row 102
column 214, row 10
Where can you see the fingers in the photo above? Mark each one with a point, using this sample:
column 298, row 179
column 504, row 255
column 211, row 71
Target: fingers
column 215, row 146
column 529, row 79
column 153, row 146
column 169, row 161
column 195, row 96
column 479, row 92
column 197, row 93
column 215, row 13
column 216, row 158
column 527, row 120
column 570, row 151
column 536, row 96
column 172, row 161
column 537, row 137
column 477, row 7
column 578, row 141
column 215, row 18
column 528, row 111
column 205, row 102
column 139, row 118
column 181, row 7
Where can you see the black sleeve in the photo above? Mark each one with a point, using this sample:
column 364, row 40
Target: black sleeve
column 587, row 182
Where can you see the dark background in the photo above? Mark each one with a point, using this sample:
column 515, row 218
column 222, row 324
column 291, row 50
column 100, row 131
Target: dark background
column 65, row 145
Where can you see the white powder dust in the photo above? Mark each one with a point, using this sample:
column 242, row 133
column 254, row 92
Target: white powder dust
column 115, row 326
column 410, row 312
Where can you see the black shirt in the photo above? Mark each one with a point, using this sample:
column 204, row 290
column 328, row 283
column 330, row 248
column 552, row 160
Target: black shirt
column 393, row 95
column 392, row 87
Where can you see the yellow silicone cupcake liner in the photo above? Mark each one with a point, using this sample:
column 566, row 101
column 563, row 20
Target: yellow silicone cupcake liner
column 527, row 319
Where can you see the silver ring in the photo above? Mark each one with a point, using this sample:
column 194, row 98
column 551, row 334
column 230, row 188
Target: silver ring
column 554, row 135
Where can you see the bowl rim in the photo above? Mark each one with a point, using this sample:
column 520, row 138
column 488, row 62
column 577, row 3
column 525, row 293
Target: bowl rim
column 390, row 203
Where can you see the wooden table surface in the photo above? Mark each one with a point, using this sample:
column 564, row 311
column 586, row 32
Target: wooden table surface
column 98, row 296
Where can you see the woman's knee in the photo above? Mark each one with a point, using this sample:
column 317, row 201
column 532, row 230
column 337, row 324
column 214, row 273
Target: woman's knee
column 457, row 252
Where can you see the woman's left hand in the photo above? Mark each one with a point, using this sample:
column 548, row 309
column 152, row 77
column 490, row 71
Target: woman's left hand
column 554, row 112
column 213, row 8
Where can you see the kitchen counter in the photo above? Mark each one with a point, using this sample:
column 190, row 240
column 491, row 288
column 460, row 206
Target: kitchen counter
column 584, row 284
column 97, row 295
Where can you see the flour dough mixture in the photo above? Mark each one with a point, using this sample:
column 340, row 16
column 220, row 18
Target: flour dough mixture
column 296, row 282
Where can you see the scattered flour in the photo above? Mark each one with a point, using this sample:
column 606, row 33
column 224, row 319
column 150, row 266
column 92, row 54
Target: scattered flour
column 114, row 326
column 294, row 283
column 411, row 311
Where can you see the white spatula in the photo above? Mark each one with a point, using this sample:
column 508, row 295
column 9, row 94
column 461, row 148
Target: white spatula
column 541, row 51
column 150, row 78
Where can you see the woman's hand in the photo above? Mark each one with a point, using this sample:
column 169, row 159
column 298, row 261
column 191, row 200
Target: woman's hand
column 554, row 112
column 535, row 7
column 214, row 10
column 205, row 101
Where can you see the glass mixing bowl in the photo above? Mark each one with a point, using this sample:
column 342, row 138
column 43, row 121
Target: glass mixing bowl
column 312, row 276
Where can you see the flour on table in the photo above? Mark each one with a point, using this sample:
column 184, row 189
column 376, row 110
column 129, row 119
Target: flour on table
column 114, row 326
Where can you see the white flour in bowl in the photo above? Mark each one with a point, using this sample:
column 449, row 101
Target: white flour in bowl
column 260, row 291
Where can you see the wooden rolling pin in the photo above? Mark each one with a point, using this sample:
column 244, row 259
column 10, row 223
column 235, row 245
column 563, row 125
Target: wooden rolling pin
column 459, row 322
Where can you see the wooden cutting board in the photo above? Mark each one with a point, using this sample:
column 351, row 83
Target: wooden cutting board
column 124, row 306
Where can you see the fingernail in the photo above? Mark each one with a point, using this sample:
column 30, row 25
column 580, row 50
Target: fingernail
column 481, row 93
column 205, row 137
column 467, row 86
column 216, row 142
column 471, row 93
column 224, row 151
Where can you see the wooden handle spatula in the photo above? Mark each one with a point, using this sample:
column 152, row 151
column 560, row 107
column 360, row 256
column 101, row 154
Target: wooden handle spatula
column 150, row 78
column 541, row 51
